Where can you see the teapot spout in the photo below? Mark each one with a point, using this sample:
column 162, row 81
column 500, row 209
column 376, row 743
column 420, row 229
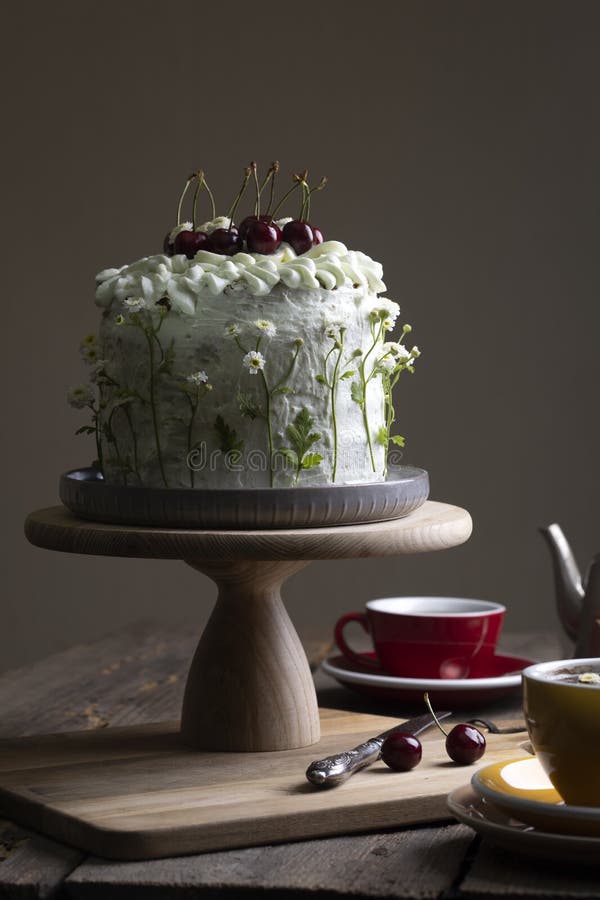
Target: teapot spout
column 567, row 580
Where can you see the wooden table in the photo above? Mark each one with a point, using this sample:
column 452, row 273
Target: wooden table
column 138, row 676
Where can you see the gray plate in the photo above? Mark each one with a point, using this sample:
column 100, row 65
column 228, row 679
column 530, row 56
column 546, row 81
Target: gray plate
column 84, row 492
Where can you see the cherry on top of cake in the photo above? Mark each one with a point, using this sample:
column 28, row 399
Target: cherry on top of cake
column 258, row 232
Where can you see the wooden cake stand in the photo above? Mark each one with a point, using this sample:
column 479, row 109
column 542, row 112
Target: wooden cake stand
column 149, row 791
column 249, row 687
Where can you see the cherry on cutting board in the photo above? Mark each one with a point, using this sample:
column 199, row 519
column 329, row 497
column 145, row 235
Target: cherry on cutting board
column 465, row 744
column 401, row 751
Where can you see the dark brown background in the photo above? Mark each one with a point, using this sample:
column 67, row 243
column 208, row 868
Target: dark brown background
column 462, row 144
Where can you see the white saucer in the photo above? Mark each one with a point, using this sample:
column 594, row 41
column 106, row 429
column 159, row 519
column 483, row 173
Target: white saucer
column 505, row 681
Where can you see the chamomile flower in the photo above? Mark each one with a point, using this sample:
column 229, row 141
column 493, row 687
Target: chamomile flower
column 198, row 378
column 332, row 330
column 254, row 362
column 97, row 370
column 90, row 340
column 135, row 304
column 89, row 352
column 394, row 354
column 265, row 327
column 119, row 320
column 232, row 330
column 80, row 396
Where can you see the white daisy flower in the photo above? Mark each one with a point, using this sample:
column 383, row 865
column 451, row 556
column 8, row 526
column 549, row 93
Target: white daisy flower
column 97, row 370
column 89, row 340
column 135, row 304
column 89, row 352
column 387, row 309
column 332, row 330
column 232, row 330
column 254, row 361
column 80, row 396
column 394, row 353
column 266, row 327
column 198, row 378
column 119, row 320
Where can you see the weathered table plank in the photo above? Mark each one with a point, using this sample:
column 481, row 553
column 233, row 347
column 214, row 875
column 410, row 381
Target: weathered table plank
column 138, row 676
column 419, row 863
column 36, row 869
column 497, row 873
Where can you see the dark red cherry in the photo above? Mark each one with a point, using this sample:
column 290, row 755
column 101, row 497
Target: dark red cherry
column 189, row 242
column 299, row 235
column 263, row 237
column 401, row 751
column 225, row 241
column 317, row 235
column 168, row 245
column 465, row 744
column 245, row 225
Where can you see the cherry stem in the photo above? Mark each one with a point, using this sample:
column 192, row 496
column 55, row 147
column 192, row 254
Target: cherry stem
column 435, row 718
column 302, row 176
column 182, row 196
column 200, row 177
column 234, row 206
column 285, row 196
column 274, row 170
column 310, row 191
column 257, row 204
column 210, row 194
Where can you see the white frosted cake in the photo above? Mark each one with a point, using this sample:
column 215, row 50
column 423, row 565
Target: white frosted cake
column 244, row 369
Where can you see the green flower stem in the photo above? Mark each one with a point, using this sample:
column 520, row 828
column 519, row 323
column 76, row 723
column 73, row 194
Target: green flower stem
column 150, row 339
column 134, row 442
column 364, row 382
column 190, row 431
column 120, row 462
column 334, row 384
column 287, row 375
column 96, row 422
column 269, row 426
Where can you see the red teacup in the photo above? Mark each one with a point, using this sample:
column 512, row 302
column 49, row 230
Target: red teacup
column 427, row 637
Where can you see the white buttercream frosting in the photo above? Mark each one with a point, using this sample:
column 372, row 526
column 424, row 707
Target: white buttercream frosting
column 329, row 265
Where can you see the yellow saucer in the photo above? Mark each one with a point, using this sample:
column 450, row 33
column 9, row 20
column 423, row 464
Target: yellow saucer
column 521, row 788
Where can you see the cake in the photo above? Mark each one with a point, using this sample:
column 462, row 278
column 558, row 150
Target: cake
column 243, row 357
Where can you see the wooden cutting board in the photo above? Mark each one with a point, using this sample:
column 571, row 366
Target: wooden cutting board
column 137, row 793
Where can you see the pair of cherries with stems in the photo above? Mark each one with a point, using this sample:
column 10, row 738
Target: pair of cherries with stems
column 465, row 744
column 258, row 232
column 188, row 242
column 263, row 235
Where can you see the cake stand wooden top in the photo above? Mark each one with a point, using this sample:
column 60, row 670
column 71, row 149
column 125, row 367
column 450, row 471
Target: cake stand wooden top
column 434, row 526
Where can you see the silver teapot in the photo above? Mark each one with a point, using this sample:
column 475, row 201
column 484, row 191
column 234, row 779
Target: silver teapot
column 577, row 598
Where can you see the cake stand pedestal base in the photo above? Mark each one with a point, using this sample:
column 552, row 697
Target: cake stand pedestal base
column 249, row 686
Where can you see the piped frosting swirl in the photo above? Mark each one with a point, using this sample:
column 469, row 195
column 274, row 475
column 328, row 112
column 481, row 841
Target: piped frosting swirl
column 182, row 280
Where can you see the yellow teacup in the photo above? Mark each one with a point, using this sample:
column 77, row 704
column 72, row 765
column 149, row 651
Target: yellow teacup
column 562, row 712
